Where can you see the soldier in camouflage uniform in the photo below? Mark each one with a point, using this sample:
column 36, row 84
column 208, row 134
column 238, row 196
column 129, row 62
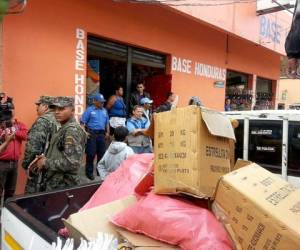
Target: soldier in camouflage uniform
column 38, row 140
column 66, row 150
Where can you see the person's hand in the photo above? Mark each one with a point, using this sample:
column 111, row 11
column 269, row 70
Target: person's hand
column 135, row 132
column 138, row 131
column 9, row 137
column 28, row 174
column 6, row 139
column 107, row 136
column 88, row 135
column 175, row 102
column 40, row 163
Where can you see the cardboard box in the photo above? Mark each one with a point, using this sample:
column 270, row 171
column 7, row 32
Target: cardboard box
column 192, row 152
column 141, row 242
column 240, row 163
column 262, row 210
column 88, row 223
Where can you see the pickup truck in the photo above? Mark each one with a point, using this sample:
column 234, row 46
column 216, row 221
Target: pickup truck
column 271, row 138
column 32, row 222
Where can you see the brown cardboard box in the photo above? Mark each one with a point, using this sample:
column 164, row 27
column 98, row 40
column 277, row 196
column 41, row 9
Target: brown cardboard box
column 142, row 242
column 88, row 223
column 262, row 210
column 192, row 152
column 240, row 163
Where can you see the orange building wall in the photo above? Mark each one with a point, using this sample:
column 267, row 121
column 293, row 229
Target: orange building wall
column 39, row 48
column 241, row 19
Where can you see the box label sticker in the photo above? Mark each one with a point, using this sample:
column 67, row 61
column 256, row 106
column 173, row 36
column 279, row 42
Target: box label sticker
column 257, row 235
column 267, row 182
column 296, row 208
column 173, row 169
column 216, row 152
column 278, row 196
column 176, row 155
column 219, row 169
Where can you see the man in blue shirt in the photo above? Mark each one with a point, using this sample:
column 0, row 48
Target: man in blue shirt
column 96, row 123
column 137, row 125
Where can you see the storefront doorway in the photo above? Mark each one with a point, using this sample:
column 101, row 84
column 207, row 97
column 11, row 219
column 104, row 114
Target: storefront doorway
column 111, row 64
column 238, row 90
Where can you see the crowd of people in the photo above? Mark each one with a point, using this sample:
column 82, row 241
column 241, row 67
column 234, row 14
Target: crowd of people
column 54, row 149
column 56, row 143
column 101, row 122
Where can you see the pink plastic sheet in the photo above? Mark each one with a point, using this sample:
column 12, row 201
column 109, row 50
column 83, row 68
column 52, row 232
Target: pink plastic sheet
column 122, row 182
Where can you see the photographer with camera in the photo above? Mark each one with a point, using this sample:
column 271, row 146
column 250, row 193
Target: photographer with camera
column 15, row 132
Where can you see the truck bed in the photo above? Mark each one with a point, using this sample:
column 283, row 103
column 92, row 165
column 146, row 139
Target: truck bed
column 42, row 212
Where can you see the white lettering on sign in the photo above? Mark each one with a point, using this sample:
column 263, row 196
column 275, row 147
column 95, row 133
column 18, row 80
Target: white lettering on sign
column 80, row 56
column 265, row 149
column 261, row 132
column 181, row 65
column 200, row 69
column 209, row 71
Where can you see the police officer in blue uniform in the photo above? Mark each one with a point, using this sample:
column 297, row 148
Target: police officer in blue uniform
column 96, row 122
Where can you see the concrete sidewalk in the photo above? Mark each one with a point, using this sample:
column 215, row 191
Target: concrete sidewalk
column 84, row 179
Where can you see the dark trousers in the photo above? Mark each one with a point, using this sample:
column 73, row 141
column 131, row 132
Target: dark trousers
column 8, row 178
column 95, row 146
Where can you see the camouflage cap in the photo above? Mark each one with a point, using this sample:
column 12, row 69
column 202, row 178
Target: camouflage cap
column 63, row 101
column 44, row 99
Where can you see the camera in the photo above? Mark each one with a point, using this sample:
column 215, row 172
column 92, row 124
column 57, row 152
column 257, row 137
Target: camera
column 6, row 113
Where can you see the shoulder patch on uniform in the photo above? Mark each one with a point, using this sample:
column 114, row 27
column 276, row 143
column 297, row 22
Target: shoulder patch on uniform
column 69, row 140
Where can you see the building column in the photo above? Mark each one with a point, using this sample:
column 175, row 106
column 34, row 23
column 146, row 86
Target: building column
column 252, row 87
column 275, row 94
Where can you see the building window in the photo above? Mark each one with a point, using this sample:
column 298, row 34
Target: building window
column 238, row 90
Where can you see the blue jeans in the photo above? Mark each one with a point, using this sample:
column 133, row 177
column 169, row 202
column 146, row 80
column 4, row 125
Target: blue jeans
column 95, row 146
column 141, row 150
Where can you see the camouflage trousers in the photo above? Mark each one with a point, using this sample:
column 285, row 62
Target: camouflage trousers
column 34, row 185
